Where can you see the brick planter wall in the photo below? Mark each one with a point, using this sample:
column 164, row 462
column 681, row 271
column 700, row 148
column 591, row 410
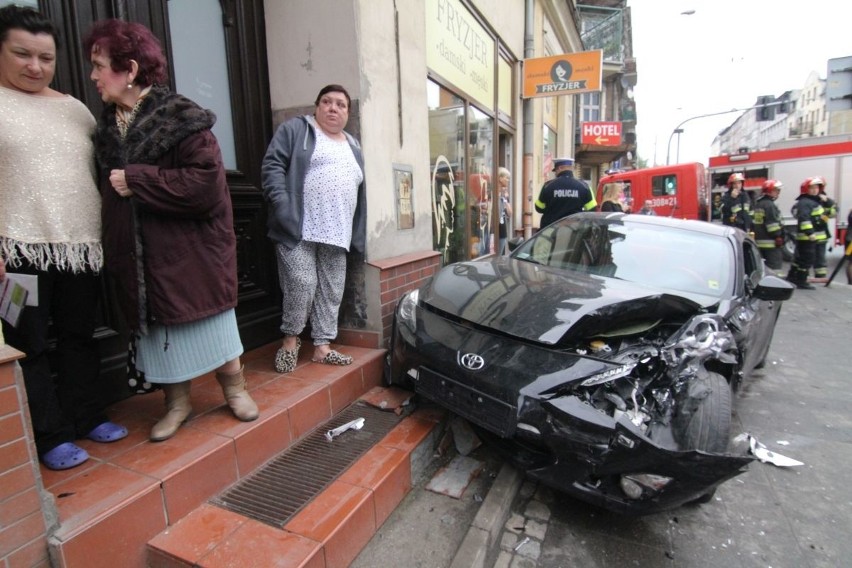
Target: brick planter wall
column 23, row 540
column 398, row 275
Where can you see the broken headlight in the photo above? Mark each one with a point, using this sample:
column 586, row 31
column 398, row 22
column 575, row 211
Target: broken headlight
column 638, row 485
column 407, row 311
column 609, row 375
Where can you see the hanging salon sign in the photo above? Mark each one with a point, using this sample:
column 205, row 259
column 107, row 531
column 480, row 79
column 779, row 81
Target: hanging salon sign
column 567, row 74
column 460, row 50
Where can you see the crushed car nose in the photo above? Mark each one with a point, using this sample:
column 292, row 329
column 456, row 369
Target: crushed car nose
column 637, row 485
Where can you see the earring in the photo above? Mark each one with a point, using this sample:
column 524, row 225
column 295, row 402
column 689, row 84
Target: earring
column 129, row 85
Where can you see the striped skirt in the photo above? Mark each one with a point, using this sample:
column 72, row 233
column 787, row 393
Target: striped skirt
column 177, row 353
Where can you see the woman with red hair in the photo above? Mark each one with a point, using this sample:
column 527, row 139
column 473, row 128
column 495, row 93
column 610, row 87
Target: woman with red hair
column 167, row 223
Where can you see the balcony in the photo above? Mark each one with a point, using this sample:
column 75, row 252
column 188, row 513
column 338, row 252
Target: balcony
column 603, row 28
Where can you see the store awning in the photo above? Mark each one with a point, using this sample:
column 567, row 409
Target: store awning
column 589, row 154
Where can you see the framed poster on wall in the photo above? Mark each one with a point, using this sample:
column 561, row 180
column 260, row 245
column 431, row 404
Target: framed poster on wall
column 404, row 187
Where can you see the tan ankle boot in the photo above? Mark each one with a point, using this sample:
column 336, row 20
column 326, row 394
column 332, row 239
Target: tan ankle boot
column 234, row 389
column 178, row 407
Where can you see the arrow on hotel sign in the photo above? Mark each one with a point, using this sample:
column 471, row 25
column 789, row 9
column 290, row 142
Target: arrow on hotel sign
column 601, row 133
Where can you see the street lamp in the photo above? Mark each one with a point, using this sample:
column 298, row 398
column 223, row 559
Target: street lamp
column 678, row 130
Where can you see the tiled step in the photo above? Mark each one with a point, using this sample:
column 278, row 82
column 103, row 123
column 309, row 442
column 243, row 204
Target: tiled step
column 328, row 532
column 132, row 490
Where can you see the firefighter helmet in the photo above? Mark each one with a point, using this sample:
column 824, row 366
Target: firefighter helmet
column 814, row 180
column 735, row 177
column 771, row 185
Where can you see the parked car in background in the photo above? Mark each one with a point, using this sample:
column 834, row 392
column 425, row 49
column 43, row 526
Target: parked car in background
column 601, row 354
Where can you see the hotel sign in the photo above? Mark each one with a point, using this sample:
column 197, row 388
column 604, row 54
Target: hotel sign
column 567, row 74
column 460, row 50
column 601, row 133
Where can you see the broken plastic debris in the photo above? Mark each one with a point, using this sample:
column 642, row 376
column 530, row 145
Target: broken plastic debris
column 356, row 424
column 766, row 455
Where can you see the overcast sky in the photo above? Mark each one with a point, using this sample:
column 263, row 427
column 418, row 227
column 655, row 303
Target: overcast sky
column 723, row 56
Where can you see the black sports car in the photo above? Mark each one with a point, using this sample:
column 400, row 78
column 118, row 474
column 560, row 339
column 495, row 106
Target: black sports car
column 601, row 354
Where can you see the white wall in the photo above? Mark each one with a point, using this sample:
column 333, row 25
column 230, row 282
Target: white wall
column 310, row 43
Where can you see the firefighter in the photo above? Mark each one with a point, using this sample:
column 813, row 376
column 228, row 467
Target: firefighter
column 736, row 204
column 808, row 210
column 768, row 231
column 563, row 195
column 829, row 212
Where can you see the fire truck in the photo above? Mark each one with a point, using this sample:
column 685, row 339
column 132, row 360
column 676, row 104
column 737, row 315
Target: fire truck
column 791, row 162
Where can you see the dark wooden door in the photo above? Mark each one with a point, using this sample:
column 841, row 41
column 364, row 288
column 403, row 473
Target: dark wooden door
column 258, row 312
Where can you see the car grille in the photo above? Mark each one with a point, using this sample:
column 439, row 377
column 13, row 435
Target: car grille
column 492, row 414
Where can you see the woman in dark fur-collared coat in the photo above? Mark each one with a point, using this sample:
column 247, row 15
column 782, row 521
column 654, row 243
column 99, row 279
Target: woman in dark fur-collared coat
column 168, row 230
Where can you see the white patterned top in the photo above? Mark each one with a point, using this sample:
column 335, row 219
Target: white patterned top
column 331, row 192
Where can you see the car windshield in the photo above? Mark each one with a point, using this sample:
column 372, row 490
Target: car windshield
column 651, row 255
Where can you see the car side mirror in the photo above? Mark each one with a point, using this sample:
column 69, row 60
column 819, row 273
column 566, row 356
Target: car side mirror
column 514, row 243
column 772, row 288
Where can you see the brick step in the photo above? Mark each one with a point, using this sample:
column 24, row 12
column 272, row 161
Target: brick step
column 132, row 490
column 329, row 532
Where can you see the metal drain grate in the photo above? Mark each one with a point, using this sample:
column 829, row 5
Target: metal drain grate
column 278, row 490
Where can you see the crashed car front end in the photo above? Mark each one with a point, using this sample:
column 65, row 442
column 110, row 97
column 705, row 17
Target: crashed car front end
column 605, row 417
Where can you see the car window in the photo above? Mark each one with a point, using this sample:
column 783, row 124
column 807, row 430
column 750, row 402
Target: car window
column 664, row 185
column 654, row 256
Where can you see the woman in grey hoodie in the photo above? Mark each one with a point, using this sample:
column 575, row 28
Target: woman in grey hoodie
column 313, row 179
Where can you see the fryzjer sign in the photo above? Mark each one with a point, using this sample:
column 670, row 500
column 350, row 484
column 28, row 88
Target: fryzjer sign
column 601, row 133
column 567, row 74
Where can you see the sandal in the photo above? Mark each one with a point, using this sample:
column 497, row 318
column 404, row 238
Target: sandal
column 107, row 432
column 285, row 361
column 335, row 358
column 64, row 456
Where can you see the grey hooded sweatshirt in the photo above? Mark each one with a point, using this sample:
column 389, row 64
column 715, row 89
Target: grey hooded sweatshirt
column 283, row 176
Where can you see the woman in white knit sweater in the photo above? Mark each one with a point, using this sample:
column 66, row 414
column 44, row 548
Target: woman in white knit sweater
column 50, row 228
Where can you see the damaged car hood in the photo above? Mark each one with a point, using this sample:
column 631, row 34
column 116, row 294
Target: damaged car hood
column 523, row 299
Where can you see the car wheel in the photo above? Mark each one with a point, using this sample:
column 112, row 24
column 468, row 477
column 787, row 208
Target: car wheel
column 708, row 426
column 788, row 251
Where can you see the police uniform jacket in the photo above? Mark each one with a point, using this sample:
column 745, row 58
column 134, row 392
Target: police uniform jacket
column 562, row 196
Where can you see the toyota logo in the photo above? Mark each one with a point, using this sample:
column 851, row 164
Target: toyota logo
column 471, row 361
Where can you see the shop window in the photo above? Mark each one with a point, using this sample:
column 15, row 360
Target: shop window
column 446, row 157
column 480, row 192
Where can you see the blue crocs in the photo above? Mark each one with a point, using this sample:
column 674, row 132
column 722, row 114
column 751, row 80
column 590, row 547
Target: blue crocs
column 107, row 432
column 64, row 456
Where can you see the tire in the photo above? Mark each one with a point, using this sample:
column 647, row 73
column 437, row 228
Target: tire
column 708, row 428
column 788, row 251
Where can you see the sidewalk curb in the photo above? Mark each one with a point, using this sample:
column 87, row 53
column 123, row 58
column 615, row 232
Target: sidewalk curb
column 488, row 523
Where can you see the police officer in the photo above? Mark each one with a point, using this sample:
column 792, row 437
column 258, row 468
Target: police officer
column 736, row 204
column 808, row 211
column 564, row 195
column 768, row 231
